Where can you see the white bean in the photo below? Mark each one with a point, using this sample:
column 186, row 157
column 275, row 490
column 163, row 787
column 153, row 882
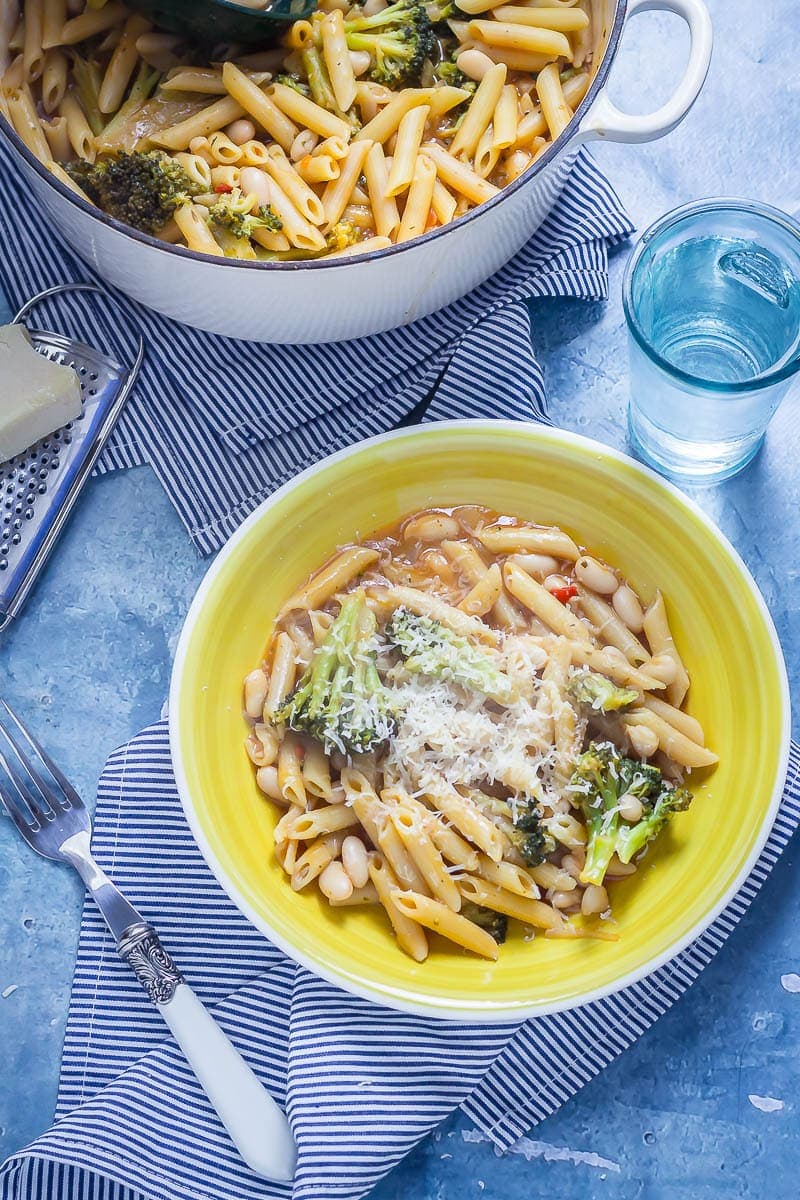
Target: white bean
column 631, row 809
column 431, row 527
column 662, row 667
column 303, row 144
column 573, row 863
column 592, row 574
column 595, row 900
column 563, row 899
column 360, row 61
column 374, row 6
column 354, row 861
column 267, row 780
column 262, row 745
column 255, row 182
column 474, row 64
column 536, row 564
column 241, row 131
column 643, row 741
column 554, row 583
column 619, row 870
column 335, row 883
column 627, row 607
column 255, row 693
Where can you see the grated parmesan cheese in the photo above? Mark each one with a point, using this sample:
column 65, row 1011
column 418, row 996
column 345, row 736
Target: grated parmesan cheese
column 445, row 732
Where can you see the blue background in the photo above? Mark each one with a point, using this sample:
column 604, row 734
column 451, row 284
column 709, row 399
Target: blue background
column 89, row 663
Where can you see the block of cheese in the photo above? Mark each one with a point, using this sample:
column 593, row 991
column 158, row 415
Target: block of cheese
column 37, row 396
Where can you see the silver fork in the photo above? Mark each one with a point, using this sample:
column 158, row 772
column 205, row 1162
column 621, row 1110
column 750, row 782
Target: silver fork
column 53, row 820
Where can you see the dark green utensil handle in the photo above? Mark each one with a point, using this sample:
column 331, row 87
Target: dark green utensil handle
column 215, row 22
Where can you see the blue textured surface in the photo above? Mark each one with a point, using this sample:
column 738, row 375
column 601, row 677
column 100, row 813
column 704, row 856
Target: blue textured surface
column 89, row 661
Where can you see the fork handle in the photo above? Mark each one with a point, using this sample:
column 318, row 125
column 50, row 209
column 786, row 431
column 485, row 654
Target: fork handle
column 257, row 1126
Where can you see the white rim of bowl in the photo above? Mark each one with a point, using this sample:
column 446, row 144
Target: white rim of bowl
column 452, row 1010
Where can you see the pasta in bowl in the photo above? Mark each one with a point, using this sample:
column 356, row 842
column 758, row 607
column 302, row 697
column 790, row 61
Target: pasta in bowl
column 369, row 808
column 486, row 725
column 303, row 205
column 372, row 124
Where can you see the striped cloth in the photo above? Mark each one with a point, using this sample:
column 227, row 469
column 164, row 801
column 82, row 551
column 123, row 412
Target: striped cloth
column 361, row 1085
column 223, row 423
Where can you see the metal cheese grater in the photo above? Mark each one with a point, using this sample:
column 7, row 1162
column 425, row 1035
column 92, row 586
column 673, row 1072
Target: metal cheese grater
column 39, row 487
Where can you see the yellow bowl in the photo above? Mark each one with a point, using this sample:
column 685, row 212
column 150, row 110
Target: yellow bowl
column 650, row 531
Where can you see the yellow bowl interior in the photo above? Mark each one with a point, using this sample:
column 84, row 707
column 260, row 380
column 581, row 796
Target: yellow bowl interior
column 609, row 505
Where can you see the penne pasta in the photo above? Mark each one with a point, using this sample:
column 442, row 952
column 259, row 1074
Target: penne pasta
column 544, row 605
column 265, row 108
column 458, row 176
column 482, row 598
column 282, row 673
column 409, row 934
column 418, row 201
column 468, row 820
column 337, row 59
column 23, row 116
column 479, row 113
column 660, row 640
column 33, row 55
column 427, row 605
column 522, row 908
column 610, row 629
column 675, row 744
column 440, row 919
column 510, row 539
column 406, row 150
column 201, row 124
column 340, row 571
column 305, row 112
column 384, row 206
column 555, row 109
column 521, row 37
column 425, row 856
column 290, row 773
column 322, row 821
column 121, row 65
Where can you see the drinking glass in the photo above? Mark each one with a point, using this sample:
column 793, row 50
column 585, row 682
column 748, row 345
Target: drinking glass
column 712, row 300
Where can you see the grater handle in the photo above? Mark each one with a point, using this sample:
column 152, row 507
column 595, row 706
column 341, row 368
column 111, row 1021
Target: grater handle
column 59, row 289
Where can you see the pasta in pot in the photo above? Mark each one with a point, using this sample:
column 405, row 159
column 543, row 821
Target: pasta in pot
column 371, row 124
column 487, row 718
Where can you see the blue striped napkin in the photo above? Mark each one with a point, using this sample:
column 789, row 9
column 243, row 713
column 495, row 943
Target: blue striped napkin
column 361, row 1085
column 223, row 422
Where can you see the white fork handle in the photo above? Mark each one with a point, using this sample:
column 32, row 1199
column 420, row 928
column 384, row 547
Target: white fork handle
column 257, row 1126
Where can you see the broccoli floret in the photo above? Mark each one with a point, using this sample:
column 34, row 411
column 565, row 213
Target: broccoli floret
column 341, row 700
column 494, row 923
column 602, row 778
column 399, row 38
column 600, row 693
column 294, row 81
column 231, row 211
column 447, row 72
column 140, row 189
column 658, row 811
column 523, row 826
column 429, row 648
column 342, row 235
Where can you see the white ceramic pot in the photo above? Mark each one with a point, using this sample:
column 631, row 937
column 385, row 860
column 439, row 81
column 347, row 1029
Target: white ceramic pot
column 319, row 301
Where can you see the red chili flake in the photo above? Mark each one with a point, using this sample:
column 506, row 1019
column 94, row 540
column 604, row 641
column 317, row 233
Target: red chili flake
column 565, row 593
column 222, row 188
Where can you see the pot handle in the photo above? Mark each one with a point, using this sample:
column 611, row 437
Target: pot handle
column 606, row 122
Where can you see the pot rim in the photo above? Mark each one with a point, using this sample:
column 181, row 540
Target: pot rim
column 135, row 235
